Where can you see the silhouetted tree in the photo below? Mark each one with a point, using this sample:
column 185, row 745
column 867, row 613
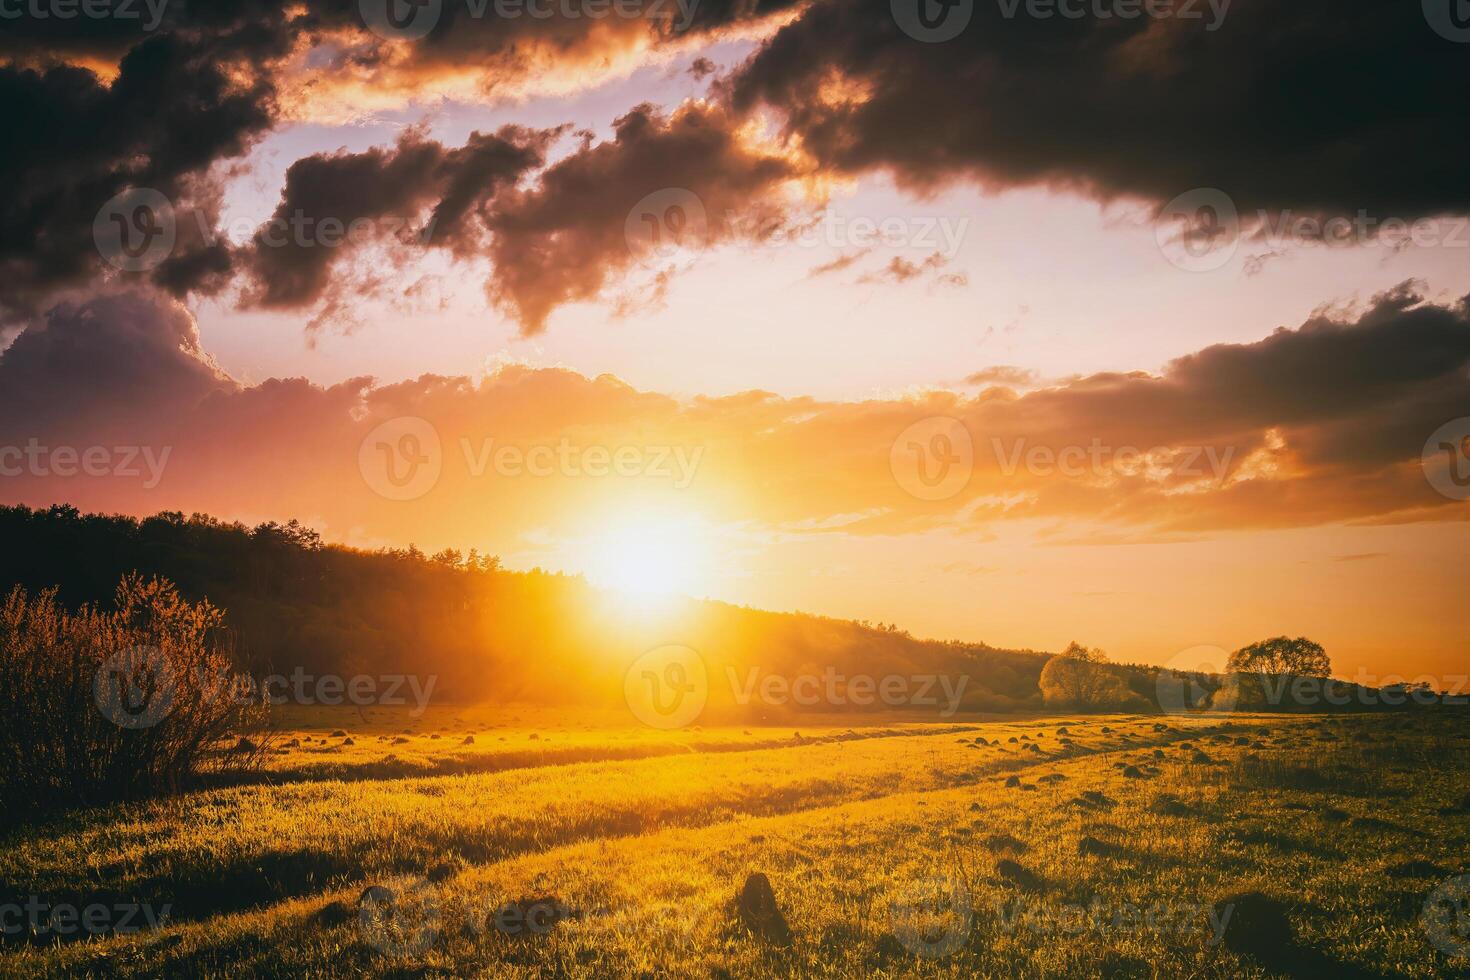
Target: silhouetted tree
column 1281, row 655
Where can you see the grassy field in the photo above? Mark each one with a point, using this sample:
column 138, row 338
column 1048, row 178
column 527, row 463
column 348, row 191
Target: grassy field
column 525, row 843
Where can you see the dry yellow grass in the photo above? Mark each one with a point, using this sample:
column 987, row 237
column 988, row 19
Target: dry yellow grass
column 861, row 834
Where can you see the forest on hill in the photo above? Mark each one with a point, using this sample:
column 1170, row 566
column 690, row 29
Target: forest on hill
column 292, row 601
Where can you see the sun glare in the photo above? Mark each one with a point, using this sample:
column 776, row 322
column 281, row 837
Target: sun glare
column 646, row 557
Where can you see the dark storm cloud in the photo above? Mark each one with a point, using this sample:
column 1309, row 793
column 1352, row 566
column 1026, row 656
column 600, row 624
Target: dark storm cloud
column 334, row 203
column 1313, row 105
column 561, row 240
column 73, row 141
column 111, row 364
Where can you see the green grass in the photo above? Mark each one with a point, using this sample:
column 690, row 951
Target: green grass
column 1345, row 822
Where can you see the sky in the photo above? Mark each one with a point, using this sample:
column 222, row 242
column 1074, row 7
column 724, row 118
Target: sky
column 1149, row 332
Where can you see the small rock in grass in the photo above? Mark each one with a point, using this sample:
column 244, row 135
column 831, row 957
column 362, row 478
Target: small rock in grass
column 1133, row 772
column 1090, row 846
column 1013, row 781
column 1166, row 805
column 338, row 733
column 757, row 906
column 1017, row 875
column 1257, row 925
column 334, row 914
column 468, row 740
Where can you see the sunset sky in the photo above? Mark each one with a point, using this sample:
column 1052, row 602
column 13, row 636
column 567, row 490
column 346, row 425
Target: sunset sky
column 1161, row 432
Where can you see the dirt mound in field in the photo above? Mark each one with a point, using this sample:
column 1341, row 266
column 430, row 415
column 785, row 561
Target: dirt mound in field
column 756, row 905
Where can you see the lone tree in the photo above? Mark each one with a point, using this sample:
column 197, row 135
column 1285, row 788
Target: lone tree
column 1281, row 655
column 1079, row 678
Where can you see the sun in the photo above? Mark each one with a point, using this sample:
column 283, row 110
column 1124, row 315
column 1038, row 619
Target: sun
column 646, row 556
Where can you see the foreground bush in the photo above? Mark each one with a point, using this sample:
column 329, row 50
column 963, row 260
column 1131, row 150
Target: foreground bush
column 100, row 705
